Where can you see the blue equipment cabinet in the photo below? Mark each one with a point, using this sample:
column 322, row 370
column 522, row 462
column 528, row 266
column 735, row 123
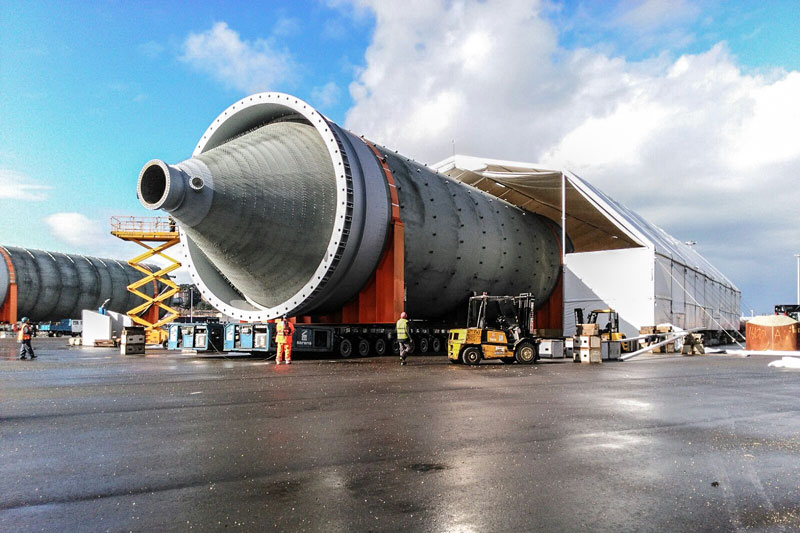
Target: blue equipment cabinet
column 202, row 336
column 174, row 336
column 247, row 337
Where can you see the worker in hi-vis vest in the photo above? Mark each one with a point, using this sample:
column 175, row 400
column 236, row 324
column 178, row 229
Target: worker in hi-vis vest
column 402, row 337
column 284, row 330
column 24, row 338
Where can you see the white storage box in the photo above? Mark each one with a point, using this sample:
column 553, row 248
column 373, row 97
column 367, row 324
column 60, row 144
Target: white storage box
column 590, row 355
column 610, row 350
column 551, row 349
column 589, row 341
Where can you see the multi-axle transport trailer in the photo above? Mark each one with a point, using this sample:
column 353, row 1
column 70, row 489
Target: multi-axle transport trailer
column 345, row 340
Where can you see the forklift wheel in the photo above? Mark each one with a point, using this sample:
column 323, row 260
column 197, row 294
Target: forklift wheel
column 525, row 353
column 471, row 356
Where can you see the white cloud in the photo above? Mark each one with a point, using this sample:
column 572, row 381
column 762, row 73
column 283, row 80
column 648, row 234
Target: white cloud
column 77, row 230
column 325, row 96
column 694, row 143
column 17, row 186
column 248, row 66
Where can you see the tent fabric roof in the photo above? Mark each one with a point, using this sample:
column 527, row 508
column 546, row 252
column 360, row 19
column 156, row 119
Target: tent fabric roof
column 595, row 222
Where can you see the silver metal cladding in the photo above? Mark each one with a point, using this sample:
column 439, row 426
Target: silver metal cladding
column 294, row 212
column 53, row 285
column 461, row 241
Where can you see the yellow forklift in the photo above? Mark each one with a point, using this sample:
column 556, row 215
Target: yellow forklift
column 498, row 327
column 610, row 331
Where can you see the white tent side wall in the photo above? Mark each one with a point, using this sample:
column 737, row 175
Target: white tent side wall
column 618, row 279
column 690, row 299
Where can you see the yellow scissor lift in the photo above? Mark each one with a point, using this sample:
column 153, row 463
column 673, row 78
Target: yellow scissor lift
column 156, row 234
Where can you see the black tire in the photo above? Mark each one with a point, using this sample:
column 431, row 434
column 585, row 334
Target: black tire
column 424, row 345
column 507, row 360
column 345, row 348
column 396, row 347
column 363, row 348
column 380, row 346
column 525, row 353
column 436, row 344
column 471, row 355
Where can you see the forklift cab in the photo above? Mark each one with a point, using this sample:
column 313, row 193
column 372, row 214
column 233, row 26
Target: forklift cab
column 502, row 312
column 612, row 326
column 491, row 312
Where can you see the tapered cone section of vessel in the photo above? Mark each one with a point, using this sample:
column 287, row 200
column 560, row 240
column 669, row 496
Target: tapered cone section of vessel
column 260, row 207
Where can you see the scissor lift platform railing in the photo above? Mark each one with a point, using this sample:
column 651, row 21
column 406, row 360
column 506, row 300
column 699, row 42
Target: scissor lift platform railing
column 156, row 235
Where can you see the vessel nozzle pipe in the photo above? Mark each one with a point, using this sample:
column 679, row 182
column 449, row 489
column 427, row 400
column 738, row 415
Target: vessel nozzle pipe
column 183, row 190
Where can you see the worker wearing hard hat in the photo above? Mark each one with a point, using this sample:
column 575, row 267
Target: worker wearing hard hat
column 24, row 335
column 285, row 330
column 402, row 337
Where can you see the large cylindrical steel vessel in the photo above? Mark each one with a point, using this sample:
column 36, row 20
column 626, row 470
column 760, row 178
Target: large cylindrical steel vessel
column 53, row 285
column 282, row 211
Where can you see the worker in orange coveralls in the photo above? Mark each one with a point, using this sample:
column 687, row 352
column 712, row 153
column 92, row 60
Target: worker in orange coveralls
column 285, row 330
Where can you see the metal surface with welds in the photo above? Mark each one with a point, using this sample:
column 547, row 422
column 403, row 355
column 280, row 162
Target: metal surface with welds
column 53, row 285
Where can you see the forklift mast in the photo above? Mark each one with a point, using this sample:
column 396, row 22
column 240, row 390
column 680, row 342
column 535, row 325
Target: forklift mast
column 525, row 303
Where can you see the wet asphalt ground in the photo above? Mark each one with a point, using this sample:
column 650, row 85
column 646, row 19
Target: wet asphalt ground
column 94, row 441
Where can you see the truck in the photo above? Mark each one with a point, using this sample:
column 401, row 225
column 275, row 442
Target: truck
column 67, row 326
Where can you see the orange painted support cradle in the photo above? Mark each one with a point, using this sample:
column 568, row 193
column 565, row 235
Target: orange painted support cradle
column 383, row 297
column 551, row 314
column 8, row 311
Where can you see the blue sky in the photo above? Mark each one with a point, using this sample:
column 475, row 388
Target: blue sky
column 90, row 91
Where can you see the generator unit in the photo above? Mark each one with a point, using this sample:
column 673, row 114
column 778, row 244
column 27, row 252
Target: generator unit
column 201, row 336
column 248, row 337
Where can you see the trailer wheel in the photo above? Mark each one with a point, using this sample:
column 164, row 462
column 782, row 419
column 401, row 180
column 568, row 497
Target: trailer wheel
column 436, row 344
column 363, row 348
column 396, row 347
column 424, row 345
column 525, row 353
column 380, row 346
column 345, row 348
column 471, row 355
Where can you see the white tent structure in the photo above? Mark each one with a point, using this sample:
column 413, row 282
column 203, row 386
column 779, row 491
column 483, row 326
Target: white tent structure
column 618, row 259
